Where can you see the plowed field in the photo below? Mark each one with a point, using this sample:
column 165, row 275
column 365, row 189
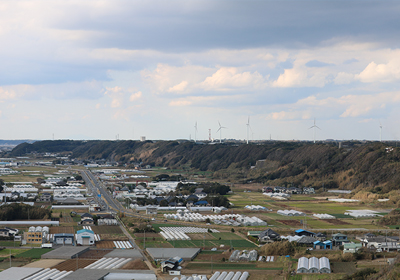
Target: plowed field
column 72, row 265
column 54, row 230
column 105, row 245
column 107, row 230
column 136, row 265
column 95, row 253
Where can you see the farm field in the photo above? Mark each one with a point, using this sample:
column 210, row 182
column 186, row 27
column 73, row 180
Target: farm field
column 33, row 253
column 136, row 265
column 6, row 252
column 61, row 229
column 46, row 263
column 107, row 230
column 74, row 264
column 95, row 253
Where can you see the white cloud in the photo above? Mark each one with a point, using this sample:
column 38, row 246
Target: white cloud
column 230, row 78
column 120, row 95
column 343, row 78
column 386, row 73
column 179, row 87
column 301, row 77
column 135, row 96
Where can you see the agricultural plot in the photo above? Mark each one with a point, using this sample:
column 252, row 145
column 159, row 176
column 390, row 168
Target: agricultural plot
column 61, row 229
column 107, row 230
column 72, row 265
column 95, row 254
column 105, row 245
column 136, row 265
column 6, row 252
column 33, row 253
column 44, row 263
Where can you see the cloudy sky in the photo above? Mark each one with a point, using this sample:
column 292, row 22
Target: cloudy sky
column 97, row 69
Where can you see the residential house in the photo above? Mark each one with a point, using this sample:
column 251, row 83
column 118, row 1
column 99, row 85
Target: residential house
column 303, row 232
column 308, row 190
column 86, row 221
column 320, row 236
column 294, row 190
column 267, row 190
column 4, row 232
column 280, row 189
column 306, row 241
column 351, row 247
column 339, row 239
column 322, row 244
column 46, row 197
column 268, row 236
column 377, row 241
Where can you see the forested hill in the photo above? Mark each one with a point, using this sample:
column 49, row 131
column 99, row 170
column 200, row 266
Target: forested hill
column 369, row 165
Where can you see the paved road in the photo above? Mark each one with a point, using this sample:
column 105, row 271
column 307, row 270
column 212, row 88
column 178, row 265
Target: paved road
column 96, row 187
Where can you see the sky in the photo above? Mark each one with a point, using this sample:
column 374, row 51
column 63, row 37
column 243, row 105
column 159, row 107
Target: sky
column 125, row 69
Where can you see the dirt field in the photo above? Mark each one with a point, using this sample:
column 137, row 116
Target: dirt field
column 44, row 263
column 136, row 264
column 95, row 254
column 105, row 245
column 72, row 265
column 200, row 236
column 148, row 235
column 54, row 230
column 290, row 222
column 336, row 222
column 107, row 230
column 216, row 257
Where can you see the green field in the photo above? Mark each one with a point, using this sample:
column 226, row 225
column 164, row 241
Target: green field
column 33, row 253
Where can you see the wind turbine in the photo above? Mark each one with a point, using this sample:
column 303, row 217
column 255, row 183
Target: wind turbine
column 380, row 126
column 248, row 126
column 314, row 126
column 195, row 132
column 220, row 131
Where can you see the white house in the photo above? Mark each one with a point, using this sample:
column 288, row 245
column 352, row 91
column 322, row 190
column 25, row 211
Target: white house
column 85, row 237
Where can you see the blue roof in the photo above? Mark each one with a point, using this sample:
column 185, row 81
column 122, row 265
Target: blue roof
column 84, row 230
column 201, row 202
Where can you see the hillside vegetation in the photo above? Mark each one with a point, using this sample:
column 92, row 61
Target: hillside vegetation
column 366, row 167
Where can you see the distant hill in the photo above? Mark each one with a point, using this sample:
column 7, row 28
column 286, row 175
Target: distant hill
column 369, row 166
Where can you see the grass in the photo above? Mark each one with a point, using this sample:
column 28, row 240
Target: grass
column 226, row 236
column 33, row 253
column 6, row 252
column 9, row 244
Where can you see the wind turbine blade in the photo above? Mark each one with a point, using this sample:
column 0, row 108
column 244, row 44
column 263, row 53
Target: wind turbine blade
column 318, row 127
column 219, row 128
column 311, row 127
column 219, row 124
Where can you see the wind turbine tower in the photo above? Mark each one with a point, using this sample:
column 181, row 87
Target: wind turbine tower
column 380, row 126
column 220, row 131
column 247, row 125
column 314, row 127
column 195, row 132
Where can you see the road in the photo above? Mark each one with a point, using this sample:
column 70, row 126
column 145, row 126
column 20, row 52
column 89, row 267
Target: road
column 106, row 198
